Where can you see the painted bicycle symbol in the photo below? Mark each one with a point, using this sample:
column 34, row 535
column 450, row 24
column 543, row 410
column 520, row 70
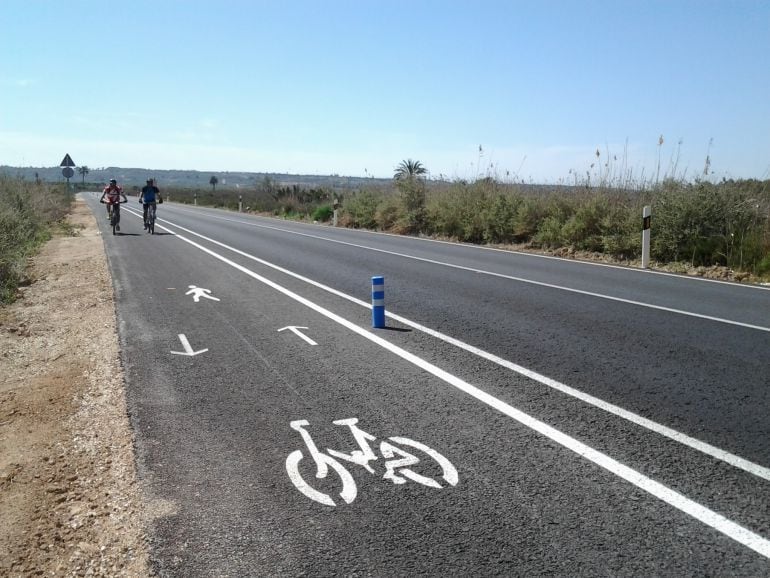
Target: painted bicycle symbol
column 398, row 462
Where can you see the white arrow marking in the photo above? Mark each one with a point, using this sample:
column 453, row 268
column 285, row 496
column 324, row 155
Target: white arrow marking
column 296, row 329
column 188, row 350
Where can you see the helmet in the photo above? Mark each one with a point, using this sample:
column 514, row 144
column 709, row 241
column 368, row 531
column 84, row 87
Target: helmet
column 113, row 182
column 149, row 181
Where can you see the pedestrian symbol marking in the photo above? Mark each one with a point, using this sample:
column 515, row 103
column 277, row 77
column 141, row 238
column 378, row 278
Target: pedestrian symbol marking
column 198, row 292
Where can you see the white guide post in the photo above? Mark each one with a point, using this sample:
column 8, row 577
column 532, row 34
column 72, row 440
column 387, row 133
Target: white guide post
column 646, row 218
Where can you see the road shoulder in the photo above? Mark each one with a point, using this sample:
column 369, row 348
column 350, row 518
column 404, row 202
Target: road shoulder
column 70, row 503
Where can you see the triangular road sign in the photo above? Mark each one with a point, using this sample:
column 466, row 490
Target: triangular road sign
column 67, row 161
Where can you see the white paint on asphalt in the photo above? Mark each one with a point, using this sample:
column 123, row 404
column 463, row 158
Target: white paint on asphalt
column 707, row 516
column 530, row 281
column 188, row 350
column 296, row 330
column 397, row 470
column 627, row 269
column 198, row 292
column 703, row 447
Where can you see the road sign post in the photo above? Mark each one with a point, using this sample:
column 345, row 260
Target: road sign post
column 68, row 174
column 67, row 171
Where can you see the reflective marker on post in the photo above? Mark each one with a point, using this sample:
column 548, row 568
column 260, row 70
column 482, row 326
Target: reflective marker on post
column 378, row 302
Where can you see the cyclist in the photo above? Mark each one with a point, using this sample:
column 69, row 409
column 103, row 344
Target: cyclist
column 149, row 196
column 113, row 191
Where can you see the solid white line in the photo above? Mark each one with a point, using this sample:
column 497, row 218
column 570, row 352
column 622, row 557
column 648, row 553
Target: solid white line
column 624, row 268
column 712, row 519
column 703, row 447
column 529, row 281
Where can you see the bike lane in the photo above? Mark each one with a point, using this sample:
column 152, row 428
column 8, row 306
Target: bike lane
column 214, row 434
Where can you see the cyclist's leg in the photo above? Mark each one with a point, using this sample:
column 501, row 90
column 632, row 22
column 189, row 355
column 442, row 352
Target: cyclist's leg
column 116, row 208
column 144, row 214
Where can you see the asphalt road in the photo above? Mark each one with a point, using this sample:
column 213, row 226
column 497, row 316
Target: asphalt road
column 519, row 415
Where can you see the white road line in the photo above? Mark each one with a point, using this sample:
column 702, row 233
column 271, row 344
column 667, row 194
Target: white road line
column 623, row 268
column 684, row 439
column 707, row 516
column 523, row 280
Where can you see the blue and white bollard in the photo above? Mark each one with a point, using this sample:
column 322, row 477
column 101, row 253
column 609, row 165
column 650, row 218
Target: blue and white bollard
column 378, row 302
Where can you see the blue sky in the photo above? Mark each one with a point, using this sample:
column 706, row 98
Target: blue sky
column 354, row 87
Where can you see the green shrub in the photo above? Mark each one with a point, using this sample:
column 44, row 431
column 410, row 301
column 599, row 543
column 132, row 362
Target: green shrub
column 499, row 218
column 583, row 229
column 323, row 213
column 443, row 218
column 621, row 231
column 712, row 224
column 390, row 216
column 549, row 234
column 361, row 209
column 529, row 215
column 413, row 199
column 763, row 266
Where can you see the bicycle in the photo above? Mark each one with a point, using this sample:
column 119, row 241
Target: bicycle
column 114, row 215
column 397, row 470
column 149, row 223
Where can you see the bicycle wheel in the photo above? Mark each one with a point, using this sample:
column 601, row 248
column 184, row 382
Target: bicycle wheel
column 396, row 468
column 349, row 488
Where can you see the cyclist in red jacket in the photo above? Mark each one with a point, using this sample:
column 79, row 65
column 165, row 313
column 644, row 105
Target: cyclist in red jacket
column 111, row 196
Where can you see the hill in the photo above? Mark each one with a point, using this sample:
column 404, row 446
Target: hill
column 191, row 178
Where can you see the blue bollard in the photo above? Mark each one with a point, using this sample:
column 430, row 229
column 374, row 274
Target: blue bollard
column 378, row 302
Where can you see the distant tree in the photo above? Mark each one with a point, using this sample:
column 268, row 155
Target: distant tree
column 213, row 182
column 409, row 170
column 84, row 170
column 409, row 181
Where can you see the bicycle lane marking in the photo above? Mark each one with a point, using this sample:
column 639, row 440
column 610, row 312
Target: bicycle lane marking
column 396, row 470
column 693, row 509
column 670, row 433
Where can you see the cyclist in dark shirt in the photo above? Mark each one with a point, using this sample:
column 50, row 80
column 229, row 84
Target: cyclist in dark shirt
column 149, row 196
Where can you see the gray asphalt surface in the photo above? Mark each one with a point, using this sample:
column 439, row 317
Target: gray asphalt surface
column 213, row 430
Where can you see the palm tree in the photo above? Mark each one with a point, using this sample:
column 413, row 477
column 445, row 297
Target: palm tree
column 408, row 170
column 412, row 187
column 84, row 170
column 213, row 182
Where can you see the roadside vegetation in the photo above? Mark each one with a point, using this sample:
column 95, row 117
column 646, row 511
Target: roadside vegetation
column 29, row 212
column 696, row 223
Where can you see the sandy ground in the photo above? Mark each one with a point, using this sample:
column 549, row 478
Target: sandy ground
column 69, row 500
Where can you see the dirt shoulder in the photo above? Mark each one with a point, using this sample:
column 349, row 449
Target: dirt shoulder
column 69, row 500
